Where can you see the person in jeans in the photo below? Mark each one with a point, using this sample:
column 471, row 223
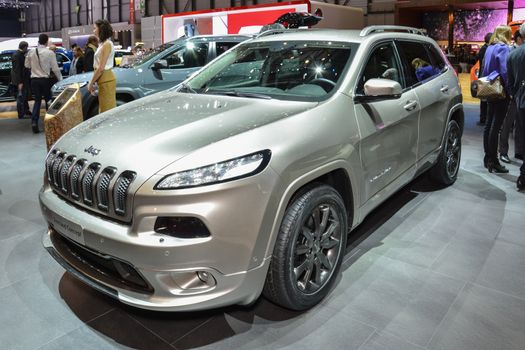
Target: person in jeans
column 508, row 124
column 516, row 71
column 495, row 61
column 20, row 79
column 42, row 61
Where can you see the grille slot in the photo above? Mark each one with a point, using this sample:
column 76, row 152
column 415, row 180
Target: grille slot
column 120, row 191
column 74, row 178
column 103, row 188
column 55, row 169
column 49, row 164
column 64, row 172
column 88, row 183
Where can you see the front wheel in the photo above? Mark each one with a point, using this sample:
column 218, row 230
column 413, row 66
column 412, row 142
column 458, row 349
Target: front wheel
column 309, row 249
column 445, row 171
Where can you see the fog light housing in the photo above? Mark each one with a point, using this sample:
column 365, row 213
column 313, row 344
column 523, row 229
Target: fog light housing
column 193, row 282
column 181, row 227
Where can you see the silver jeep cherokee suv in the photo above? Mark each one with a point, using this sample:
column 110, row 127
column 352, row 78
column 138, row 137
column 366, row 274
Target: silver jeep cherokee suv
column 247, row 178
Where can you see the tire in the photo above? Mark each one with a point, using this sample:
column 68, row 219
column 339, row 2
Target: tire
column 445, row 171
column 93, row 109
column 305, row 262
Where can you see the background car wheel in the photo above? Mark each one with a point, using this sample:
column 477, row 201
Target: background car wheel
column 309, row 249
column 446, row 169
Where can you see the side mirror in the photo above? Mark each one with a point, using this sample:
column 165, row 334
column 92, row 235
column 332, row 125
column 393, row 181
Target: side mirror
column 160, row 64
column 380, row 89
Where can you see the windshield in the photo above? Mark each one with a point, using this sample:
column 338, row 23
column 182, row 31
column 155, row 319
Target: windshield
column 300, row 70
column 147, row 56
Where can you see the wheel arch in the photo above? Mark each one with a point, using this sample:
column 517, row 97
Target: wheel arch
column 334, row 174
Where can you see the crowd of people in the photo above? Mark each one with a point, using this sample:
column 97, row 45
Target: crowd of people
column 35, row 71
column 503, row 56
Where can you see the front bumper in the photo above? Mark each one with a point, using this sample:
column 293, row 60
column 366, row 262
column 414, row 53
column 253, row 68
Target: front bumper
column 165, row 270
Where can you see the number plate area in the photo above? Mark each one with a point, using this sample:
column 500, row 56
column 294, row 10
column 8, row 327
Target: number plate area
column 64, row 226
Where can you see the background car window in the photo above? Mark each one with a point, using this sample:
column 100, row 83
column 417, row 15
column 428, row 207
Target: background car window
column 381, row 64
column 222, row 47
column 416, row 62
column 189, row 56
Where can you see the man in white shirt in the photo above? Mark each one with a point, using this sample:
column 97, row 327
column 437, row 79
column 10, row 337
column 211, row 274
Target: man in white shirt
column 42, row 63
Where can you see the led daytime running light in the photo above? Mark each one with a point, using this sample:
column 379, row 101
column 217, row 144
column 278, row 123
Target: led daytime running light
column 215, row 173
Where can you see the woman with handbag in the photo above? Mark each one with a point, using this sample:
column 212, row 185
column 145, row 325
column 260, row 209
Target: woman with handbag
column 103, row 65
column 495, row 66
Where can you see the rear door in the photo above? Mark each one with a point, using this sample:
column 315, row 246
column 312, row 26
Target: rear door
column 433, row 90
column 388, row 127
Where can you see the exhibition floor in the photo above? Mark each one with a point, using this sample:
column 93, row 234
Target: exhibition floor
column 432, row 268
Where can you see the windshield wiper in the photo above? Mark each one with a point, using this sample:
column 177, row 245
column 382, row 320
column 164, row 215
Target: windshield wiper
column 185, row 87
column 239, row 94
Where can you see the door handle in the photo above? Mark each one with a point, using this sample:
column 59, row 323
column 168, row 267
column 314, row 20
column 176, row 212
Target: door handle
column 444, row 89
column 410, row 106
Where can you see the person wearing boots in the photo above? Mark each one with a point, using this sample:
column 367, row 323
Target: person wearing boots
column 516, row 84
column 509, row 122
column 495, row 61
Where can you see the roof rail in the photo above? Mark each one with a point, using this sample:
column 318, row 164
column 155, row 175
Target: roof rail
column 380, row 29
column 277, row 31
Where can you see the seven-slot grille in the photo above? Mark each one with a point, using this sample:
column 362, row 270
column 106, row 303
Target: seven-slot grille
column 89, row 183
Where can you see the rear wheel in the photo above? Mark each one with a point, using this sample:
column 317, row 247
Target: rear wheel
column 309, row 249
column 446, row 169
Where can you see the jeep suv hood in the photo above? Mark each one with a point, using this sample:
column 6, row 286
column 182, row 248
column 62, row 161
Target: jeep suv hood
column 148, row 134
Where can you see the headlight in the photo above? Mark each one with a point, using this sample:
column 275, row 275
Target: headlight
column 228, row 170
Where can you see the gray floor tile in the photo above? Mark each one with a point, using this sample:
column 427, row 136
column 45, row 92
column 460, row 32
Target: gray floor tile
column 512, row 234
column 33, row 312
column 83, row 338
column 23, row 257
column 482, row 319
column 394, row 296
column 170, row 326
column 12, row 226
column 124, row 330
column 385, row 341
column 226, row 332
column 503, row 269
column 465, row 255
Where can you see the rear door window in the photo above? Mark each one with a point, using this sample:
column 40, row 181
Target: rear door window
column 222, row 46
column 417, row 63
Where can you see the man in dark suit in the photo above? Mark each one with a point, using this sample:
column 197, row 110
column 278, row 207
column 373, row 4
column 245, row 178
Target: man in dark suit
column 89, row 54
column 516, row 87
column 20, row 79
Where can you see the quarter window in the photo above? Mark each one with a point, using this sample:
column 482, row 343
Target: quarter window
column 382, row 64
